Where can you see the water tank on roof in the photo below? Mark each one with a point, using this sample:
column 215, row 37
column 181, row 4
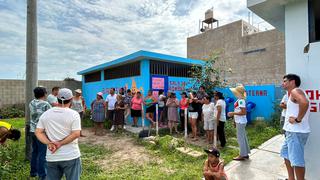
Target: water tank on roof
column 208, row 14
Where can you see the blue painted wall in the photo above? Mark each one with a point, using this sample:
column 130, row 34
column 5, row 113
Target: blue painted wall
column 265, row 97
column 179, row 85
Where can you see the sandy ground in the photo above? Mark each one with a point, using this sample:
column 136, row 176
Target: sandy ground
column 124, row 150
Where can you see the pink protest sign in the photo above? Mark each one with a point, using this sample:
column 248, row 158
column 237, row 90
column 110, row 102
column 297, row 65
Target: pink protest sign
column 157, row 83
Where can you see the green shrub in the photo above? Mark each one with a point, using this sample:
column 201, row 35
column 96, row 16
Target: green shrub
column 11, row 112
column 230, row 130
column 260, row 125
column 168, row 143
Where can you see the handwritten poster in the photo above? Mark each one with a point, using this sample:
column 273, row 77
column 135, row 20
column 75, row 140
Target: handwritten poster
column 157, row 83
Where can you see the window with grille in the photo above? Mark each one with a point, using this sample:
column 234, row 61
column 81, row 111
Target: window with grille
column 170, row 69
column 314, row 20
column 92, row 77
column 127, row 70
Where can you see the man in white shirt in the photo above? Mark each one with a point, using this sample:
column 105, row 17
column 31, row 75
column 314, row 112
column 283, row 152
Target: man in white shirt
column 111, row 101
column 59, row 128
column 52, row 98
column 296, row 126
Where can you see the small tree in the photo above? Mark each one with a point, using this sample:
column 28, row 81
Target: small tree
column 211, row 74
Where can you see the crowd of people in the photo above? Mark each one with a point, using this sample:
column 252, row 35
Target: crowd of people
column 55, row 125
column 199, row 107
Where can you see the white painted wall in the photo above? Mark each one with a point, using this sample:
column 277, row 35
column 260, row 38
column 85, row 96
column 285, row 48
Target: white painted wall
column 307, row 66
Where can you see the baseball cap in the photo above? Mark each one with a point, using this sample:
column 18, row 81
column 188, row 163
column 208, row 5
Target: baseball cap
column 100, row 93
column 65, row 94
column 213, row 151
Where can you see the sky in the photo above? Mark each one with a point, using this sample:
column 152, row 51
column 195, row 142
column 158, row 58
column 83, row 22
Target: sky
column 74, row 35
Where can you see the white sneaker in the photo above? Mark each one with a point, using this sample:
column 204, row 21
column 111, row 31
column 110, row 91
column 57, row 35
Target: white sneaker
column 124, row 127
column 112, row 128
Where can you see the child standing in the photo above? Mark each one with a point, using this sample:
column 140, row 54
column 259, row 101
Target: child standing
column 213, row 168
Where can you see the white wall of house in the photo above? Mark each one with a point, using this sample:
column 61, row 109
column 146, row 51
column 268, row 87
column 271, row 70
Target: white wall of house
column 307, row 65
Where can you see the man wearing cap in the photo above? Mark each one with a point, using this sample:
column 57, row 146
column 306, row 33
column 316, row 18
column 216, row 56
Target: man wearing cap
column 59, row 128
column 296, row 127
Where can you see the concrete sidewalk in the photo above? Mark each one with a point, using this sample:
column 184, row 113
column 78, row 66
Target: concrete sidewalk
column 265, row 163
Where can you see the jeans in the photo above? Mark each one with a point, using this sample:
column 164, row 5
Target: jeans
column 38, row 158
column 293, row 148
column 71, row 169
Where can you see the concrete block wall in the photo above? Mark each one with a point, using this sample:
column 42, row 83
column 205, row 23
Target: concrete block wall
column 13, row 91
column 255, row 58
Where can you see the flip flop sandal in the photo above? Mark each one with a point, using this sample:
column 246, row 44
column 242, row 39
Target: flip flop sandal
column 239, row 159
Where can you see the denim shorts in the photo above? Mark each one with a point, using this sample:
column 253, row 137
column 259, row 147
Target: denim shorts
column 193, row 115
column 293, row 148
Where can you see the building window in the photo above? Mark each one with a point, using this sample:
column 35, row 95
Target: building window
column 92, row 77
column 170, row 69
column 314, row 20
column 127, row 70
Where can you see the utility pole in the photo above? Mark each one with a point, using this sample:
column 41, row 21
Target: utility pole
column 31, row 68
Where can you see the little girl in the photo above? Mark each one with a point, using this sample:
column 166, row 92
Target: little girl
column 213, row 168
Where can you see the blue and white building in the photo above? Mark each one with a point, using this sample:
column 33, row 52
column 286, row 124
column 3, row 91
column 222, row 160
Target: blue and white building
column 300, row 21
column 140, row 71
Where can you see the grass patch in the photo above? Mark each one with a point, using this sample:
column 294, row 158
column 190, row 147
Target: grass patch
column 166, row 164
column 12, row 159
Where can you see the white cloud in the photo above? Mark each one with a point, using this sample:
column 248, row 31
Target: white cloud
column 75, row 34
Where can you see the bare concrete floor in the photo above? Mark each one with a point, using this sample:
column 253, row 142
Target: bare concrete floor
column 265, row 163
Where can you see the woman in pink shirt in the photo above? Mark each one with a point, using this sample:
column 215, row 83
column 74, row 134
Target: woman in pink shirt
column 183, row 107
column 136, row 108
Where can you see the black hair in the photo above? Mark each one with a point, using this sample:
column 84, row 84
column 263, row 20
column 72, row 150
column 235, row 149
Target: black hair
column 39, row 92
column 56, row 88
column 172, row 95
column 294, row 77
column 161, row 91
column 60, row 101
column 202, row 87
column 15, row 134
column 128, row 90
column 138, row 92
column 219, row 94
column 207, row 97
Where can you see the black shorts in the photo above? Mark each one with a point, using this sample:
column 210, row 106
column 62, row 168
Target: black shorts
column 151, row 109
column 135, row 113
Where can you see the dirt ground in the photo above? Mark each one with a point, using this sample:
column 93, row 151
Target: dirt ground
column 124, row 149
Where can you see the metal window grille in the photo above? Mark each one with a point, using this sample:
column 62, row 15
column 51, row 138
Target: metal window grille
column 92, row 77
column 127, row 70
column 170, row 69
